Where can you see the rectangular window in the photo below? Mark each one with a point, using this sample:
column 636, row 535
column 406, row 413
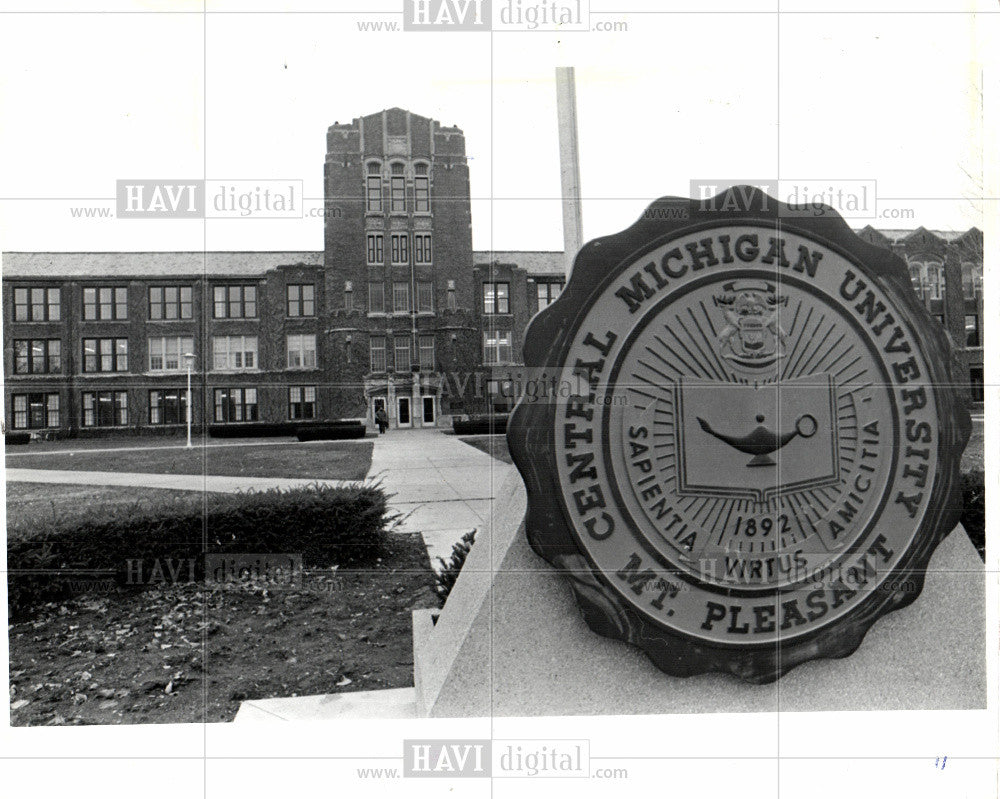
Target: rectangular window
column 234, row 302
column 977, row 388
column 972, row 337
column 37, row 356
column 302, row 402
column 400, row 248
column 232, row 353
column 377, row 349
column 400, row 297
column 104, row 408
column 348, row 297
column 397, row 189
column 105, row 303
column 422, row 248
column 373, row 188
column 421, row 189
column 170, row 302
column 105, row 354
column 547, row 294
column 37, row 304
column 496, row 346
column 427, row 352
column 425, row 297
column 375, row 245
column 376, row 298
column 302, row 352
column 496, row 298
column 235, row 405
column 401, row 354
column 35, row 411
column 451, row 299
column 166, row 354
column 301, row 299
column 168, row 406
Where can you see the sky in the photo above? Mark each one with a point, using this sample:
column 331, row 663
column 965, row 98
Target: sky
column 87, row 99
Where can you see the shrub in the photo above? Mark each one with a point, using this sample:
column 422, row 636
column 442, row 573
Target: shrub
column 329, row 432
column 327, row 526
column 481, row 425
column 451, row 568
column 17, row 438
column 974, row 512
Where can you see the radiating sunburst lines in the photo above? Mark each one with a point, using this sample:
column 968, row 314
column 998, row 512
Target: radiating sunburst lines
column 798, row 340
column 791, row 368
column 804, row 368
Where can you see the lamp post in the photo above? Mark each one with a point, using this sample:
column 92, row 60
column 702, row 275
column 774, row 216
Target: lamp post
column 189, row 360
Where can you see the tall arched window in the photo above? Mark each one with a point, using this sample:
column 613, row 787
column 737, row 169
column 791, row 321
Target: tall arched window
column 917, row 278
column 397, row 189
column 421, row 189
column 373, row 187
column 934, row 281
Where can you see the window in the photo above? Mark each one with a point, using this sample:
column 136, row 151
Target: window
column 934, row 281
column 377, row 350
column 35, row 411
column 400, row 248
column 169, row 302
column 496, row 346
column 401, row 353
column 302, row 402
column 375, row 244
column 106, row 354
column 105, row 303
column 234, row 352
column 496, row 298
column 972, row 282
column 376, row 298
column 37, row 356
column 972, row 338
column 168, row 406
column 547, row 294
column 427, row 352
column 400, row 297
column 976, row 384
column 301, row 299
column 348, row 296
column 421, row 189
column 37, row 304
column 104, row 408
column 165, row 354
column 235, row 405
column 916, row 278
column 451, row 299
column 397, row 189
column 302, row 352
column 425, row 297
column 422, row 248
column 373, row 187
column 235, row 302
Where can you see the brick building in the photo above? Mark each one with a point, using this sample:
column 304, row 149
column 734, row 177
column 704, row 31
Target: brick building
column 397, row 311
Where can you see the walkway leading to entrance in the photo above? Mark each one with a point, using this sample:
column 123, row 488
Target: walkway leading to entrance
column 444, row 486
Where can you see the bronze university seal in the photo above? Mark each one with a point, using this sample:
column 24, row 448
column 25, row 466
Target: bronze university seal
column 759, row 450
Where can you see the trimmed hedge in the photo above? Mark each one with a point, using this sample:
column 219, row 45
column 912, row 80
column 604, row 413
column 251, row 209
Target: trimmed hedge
column 326, row 526
column 481, row 425
column 331, row 432
column 269, row 429
column 17, row 438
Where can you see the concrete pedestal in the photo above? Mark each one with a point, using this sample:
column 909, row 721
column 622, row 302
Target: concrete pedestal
column 511, row 642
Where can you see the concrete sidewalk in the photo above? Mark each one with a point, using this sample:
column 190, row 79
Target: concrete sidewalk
column 178, row 482
column 445, row 486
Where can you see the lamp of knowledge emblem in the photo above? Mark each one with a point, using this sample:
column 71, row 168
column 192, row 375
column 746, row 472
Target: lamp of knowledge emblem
column 784, row 438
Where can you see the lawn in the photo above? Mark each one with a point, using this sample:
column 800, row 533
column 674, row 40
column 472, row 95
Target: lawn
column 340, row 460
column 184, row 653
column 495, row 445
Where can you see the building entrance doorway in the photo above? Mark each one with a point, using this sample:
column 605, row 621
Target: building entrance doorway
column 403, row 412
column 428, row 411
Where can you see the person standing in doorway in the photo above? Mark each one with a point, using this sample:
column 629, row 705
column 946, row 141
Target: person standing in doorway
column 382, row 420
